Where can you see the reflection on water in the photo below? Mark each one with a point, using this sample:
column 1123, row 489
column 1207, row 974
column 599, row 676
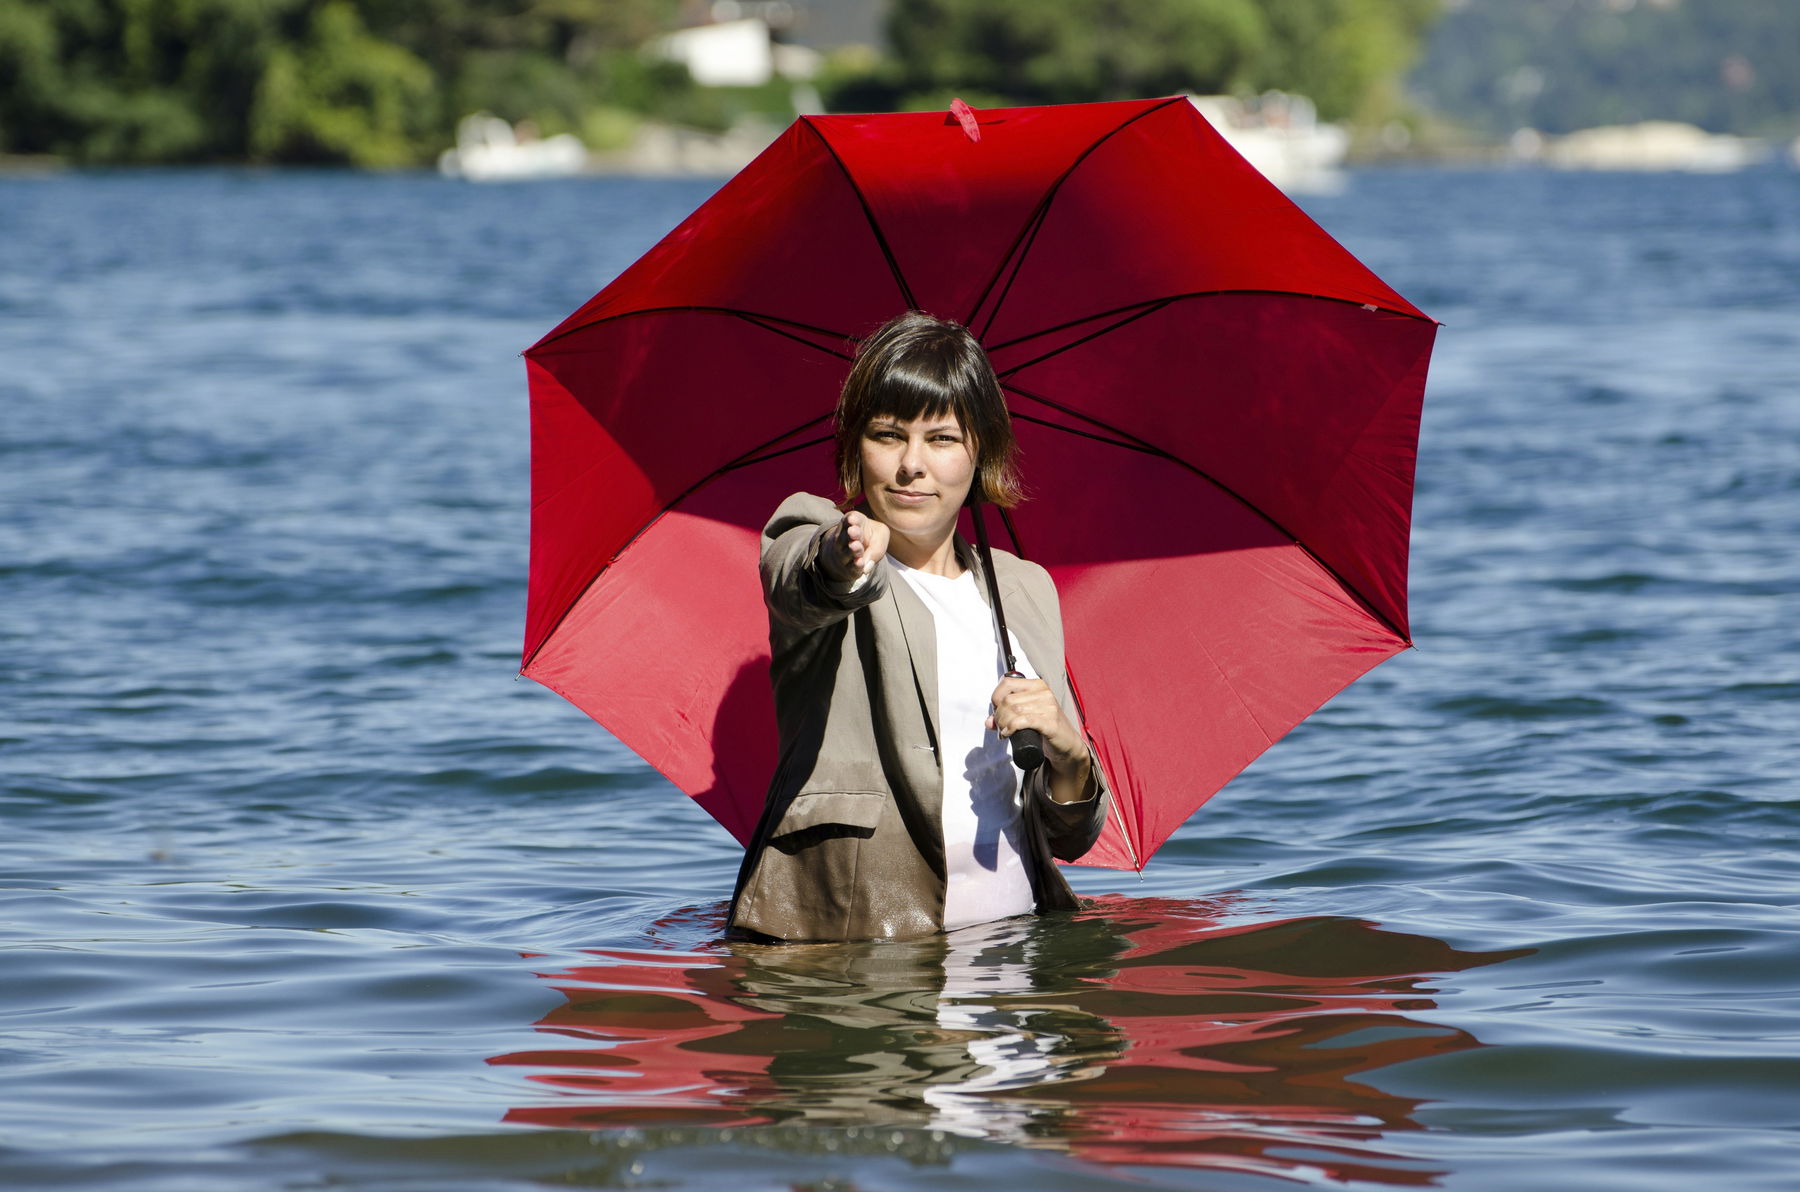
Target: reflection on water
column 1139, row 1031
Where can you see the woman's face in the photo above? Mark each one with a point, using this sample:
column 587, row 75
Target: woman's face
column 916, row 474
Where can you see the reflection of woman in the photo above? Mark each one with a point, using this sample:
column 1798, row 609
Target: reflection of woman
column 895, row 810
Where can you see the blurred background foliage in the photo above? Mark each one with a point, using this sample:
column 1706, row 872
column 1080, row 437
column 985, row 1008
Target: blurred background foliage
column 365, row 82
column 1347, row 55
column 382, row 83
column 1725, row 65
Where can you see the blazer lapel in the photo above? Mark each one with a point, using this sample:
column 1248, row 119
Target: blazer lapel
column 1027, row 624
column 918, row 630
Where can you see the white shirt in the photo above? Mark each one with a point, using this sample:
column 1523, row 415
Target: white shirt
column 987, row 877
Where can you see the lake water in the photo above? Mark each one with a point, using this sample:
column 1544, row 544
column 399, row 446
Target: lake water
column 300, row 887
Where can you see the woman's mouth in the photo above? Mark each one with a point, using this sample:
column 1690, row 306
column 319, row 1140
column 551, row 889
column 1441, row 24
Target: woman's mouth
column 907, row 496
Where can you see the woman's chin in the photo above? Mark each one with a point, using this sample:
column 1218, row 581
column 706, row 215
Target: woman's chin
column 896, row 515
column 916, row 522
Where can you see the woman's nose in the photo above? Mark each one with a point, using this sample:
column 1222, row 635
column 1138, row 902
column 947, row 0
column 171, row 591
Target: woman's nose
column 912, row 459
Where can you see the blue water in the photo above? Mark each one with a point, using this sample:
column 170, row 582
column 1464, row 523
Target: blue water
column 299, row 886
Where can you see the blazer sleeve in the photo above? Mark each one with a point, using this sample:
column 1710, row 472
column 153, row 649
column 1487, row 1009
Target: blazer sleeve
column 1070, row 829
column 795, row 586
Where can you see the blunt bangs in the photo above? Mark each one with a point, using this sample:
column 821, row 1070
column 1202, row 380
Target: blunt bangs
column 906, row 391
column 916, row 366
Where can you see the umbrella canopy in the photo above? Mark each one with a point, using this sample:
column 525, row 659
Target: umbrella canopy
column 1217, row 410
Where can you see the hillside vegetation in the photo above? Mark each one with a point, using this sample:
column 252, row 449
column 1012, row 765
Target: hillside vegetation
column 1559, row 65
column 381, row 83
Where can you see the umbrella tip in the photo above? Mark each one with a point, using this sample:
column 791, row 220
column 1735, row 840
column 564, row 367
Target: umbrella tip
column 965, row 116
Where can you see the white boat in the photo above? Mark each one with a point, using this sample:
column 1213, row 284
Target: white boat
column 1652, row 145
column 1280, row 134
column 488, row 149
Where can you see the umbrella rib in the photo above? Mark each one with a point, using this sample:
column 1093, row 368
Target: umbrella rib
column 1014, row 259
column 869, row 214
column 764, row 322
column 1016, row 256
column 756, row 454
column 1148, row 308
column 1151, row 306
column 1126, row 439
column 752, row 316
column 1086, row 434
column 764, row 458
column 1118, row 805
column 1145, row 305
column 1012, row 531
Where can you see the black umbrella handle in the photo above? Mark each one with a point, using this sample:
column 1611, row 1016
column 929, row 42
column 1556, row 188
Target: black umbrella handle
column 1027, row 744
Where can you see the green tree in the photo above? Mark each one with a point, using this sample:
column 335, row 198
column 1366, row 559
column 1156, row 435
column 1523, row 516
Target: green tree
column 342, row 95
column 129, row 80
column 1030, row 52
column 365, row 82
column 1348, row 55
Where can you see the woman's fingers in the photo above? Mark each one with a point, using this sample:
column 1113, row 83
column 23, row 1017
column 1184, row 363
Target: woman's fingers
column 874, row 536
column 867, row 539
column 1015, row 688
column 856, row 534
column 1029, row 703
column 1024, row 703
column 857, row 543
column 839, row 549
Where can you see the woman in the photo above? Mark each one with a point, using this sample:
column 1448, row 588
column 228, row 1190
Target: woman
column 894, row 810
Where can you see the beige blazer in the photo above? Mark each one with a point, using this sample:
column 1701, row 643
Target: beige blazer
column 850, row 845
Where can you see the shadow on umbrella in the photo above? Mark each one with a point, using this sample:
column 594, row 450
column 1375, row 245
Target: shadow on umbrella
column 1139, row 1032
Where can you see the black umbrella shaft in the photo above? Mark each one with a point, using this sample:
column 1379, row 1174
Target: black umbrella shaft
column 1027, row 744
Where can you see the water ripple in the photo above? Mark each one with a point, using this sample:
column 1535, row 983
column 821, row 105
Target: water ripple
column 300, row 886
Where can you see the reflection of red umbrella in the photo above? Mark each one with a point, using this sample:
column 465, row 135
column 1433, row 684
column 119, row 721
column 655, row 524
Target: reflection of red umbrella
column 1217, row 409
column 1158, row 1036
column 664, row 1022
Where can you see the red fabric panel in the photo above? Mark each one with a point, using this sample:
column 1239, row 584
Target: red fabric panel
column 951, row 208
column 1200, row 637
column 629, row 414
column 1166, row 207
column 1307, row 409
column 785, row 238
column 669, row 648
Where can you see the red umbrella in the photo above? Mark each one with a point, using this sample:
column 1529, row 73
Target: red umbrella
column 1217, row 408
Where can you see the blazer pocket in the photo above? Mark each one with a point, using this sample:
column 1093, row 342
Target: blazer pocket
column 842, row 809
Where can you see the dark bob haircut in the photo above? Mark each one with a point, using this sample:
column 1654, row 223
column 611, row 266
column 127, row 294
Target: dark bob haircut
column 916, row 366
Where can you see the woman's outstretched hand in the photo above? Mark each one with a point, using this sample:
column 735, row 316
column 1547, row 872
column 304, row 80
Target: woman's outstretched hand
column 1029, row 703
column 854, row 546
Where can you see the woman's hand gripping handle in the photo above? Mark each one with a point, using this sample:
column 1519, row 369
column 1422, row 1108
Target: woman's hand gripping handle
column 1027, row 706
column 1027, row 743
